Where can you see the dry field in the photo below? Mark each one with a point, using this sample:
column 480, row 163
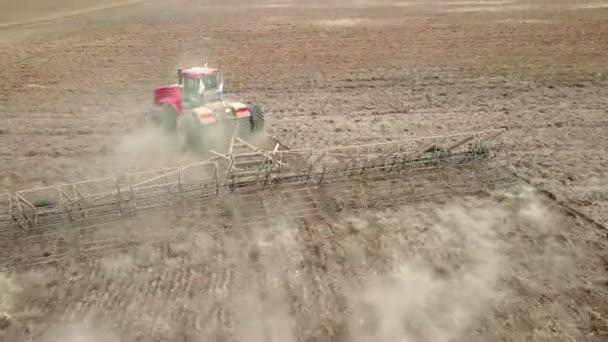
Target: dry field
column 505, row 268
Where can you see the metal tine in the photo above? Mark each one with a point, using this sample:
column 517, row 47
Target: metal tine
column 103, row 200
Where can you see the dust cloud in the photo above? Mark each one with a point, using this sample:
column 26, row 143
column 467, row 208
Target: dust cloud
column 423, row 273
column 9, row 292
column 149, row 148
column 146, row 148
column 455, row 273
column 86, row 331
column 441, row 291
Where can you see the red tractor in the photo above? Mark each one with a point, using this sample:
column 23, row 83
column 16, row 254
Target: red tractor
column 196, row 111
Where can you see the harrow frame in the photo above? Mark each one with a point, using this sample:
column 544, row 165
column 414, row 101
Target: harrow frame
column 412, row 169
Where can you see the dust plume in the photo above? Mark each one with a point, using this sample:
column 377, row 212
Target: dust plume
column 426, row 274
column 263, row 308
column 413, row 273
column 142, row 148
column 86, row 331
column 446, row 273
column 147, row 148
column 9, row 292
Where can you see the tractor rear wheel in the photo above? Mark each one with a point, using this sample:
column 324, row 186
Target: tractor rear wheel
column 189, row 132
column 256, row 119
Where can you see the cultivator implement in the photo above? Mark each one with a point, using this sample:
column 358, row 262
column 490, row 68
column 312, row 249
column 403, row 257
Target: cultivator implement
column 246, row 186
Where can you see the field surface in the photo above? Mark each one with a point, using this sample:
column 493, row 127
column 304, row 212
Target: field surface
column 510, row 268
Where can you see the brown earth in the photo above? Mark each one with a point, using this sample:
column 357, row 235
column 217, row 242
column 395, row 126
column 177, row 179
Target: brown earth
column 329, row 73
column 19, row 13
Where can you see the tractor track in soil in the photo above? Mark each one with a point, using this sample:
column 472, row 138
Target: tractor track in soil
column 63, row 15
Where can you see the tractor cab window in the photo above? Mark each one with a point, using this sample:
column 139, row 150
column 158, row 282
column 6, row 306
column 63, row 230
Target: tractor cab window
column 210, row 81
column 191, row 88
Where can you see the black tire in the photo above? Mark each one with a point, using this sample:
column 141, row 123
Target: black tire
column 189, row 132
column 256, row 119
column 163, row 117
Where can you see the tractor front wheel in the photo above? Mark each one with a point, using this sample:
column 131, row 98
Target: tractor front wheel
column 163, row 117
column 189, row 132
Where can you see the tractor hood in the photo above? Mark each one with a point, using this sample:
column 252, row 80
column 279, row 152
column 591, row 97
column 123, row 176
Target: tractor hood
column 171, row 95
column 213, row 111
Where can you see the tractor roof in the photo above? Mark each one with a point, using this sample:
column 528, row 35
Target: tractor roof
column 198, row 71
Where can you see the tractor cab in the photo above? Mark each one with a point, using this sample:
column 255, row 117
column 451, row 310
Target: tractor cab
column 194, row 109
column 200, row 85
column 196, row 86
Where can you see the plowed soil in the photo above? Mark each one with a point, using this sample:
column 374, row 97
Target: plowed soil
column 505, row 268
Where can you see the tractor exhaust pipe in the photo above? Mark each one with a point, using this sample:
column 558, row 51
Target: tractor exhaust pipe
column 180, row 77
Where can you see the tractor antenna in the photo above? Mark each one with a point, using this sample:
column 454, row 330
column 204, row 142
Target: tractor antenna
column 180, row 76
